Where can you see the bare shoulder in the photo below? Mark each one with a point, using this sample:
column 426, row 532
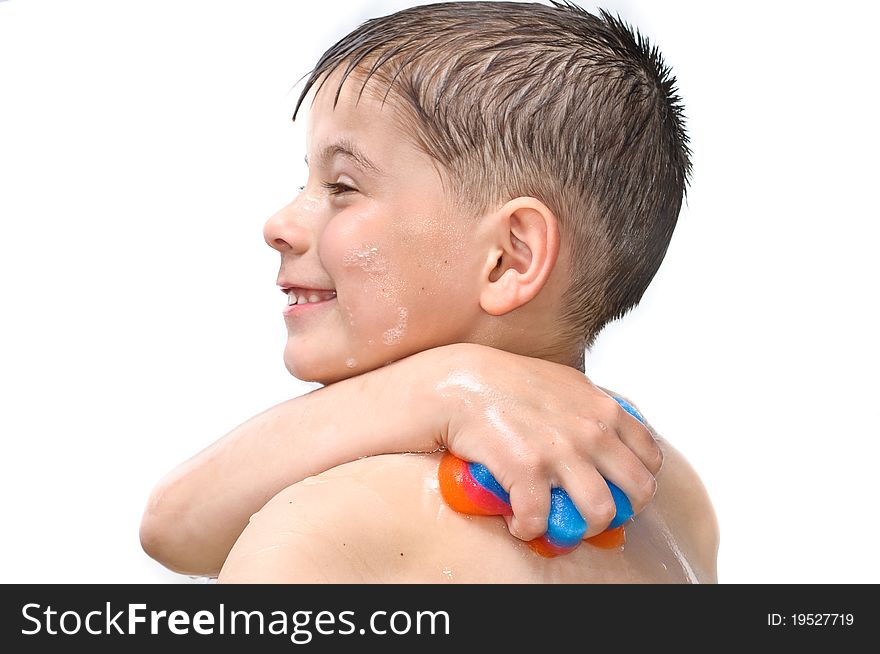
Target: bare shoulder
column 356, row 523
column 684, row 504
column 383, row 520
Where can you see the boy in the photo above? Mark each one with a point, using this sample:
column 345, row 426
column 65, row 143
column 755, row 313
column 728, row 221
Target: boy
column 490, row 183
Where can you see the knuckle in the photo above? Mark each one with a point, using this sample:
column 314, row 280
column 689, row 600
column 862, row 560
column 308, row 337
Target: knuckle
column 563, row 449
column 530, row 463
column 612, row 408
column 595, row 431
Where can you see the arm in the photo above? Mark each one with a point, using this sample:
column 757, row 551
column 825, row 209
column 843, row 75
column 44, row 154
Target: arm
column 195, row 513
column 532, row 422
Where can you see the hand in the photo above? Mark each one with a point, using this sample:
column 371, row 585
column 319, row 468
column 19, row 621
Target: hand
column 536, row 424
column 533, row 423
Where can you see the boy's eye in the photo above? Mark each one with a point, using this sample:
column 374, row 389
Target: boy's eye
column 336, row 188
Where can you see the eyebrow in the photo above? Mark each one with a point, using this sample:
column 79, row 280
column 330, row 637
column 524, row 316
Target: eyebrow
column 346, row 148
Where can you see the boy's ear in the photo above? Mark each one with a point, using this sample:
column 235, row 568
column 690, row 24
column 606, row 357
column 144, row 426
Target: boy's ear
column 524, row 246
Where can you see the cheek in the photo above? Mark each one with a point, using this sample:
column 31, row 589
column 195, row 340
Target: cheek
column 363, row 254
column 339, row 235
column 396, row 279
column 361, row 261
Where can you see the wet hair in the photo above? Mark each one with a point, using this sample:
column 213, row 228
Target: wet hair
column 523, row 99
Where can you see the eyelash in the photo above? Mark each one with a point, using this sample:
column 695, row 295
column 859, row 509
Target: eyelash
column 335, row 189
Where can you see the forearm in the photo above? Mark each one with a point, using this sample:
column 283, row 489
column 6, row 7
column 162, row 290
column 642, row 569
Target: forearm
column 196, row 512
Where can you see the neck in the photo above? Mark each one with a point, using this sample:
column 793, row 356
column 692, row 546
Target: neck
column 567, row 356
column 529, row 337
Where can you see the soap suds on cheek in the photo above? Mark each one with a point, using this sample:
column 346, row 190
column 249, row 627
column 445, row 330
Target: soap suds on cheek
column 388, row 289
column 369, row 259
column 365, row 257
column 395, row 334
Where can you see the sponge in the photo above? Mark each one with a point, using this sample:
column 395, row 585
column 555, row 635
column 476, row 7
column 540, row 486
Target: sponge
column 470, row 488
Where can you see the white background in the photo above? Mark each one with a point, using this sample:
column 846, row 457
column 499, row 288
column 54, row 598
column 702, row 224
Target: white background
column 143, row 144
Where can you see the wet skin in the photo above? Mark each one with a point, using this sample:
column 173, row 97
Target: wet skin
column 382, row 519
column 409, row 275
column 396, row 274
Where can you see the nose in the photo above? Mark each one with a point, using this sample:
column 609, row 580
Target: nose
column 284, row 233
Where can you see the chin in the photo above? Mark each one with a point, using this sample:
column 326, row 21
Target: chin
column 308, row 373
column 308, row 369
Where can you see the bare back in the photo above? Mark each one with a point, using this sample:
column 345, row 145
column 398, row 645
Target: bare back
column 382, row 519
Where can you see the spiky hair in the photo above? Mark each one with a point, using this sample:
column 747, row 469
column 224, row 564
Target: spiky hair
column 516, row 99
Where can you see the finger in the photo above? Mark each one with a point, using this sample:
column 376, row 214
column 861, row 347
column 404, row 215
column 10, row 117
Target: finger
column 637, row 436
column 600, row 447
column 641, row 441
column 618, row 465
column 530, row 502
column 591, row 496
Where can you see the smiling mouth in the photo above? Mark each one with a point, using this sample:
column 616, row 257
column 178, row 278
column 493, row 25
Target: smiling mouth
column 297, row 296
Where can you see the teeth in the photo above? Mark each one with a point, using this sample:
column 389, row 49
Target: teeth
column 307, row 297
